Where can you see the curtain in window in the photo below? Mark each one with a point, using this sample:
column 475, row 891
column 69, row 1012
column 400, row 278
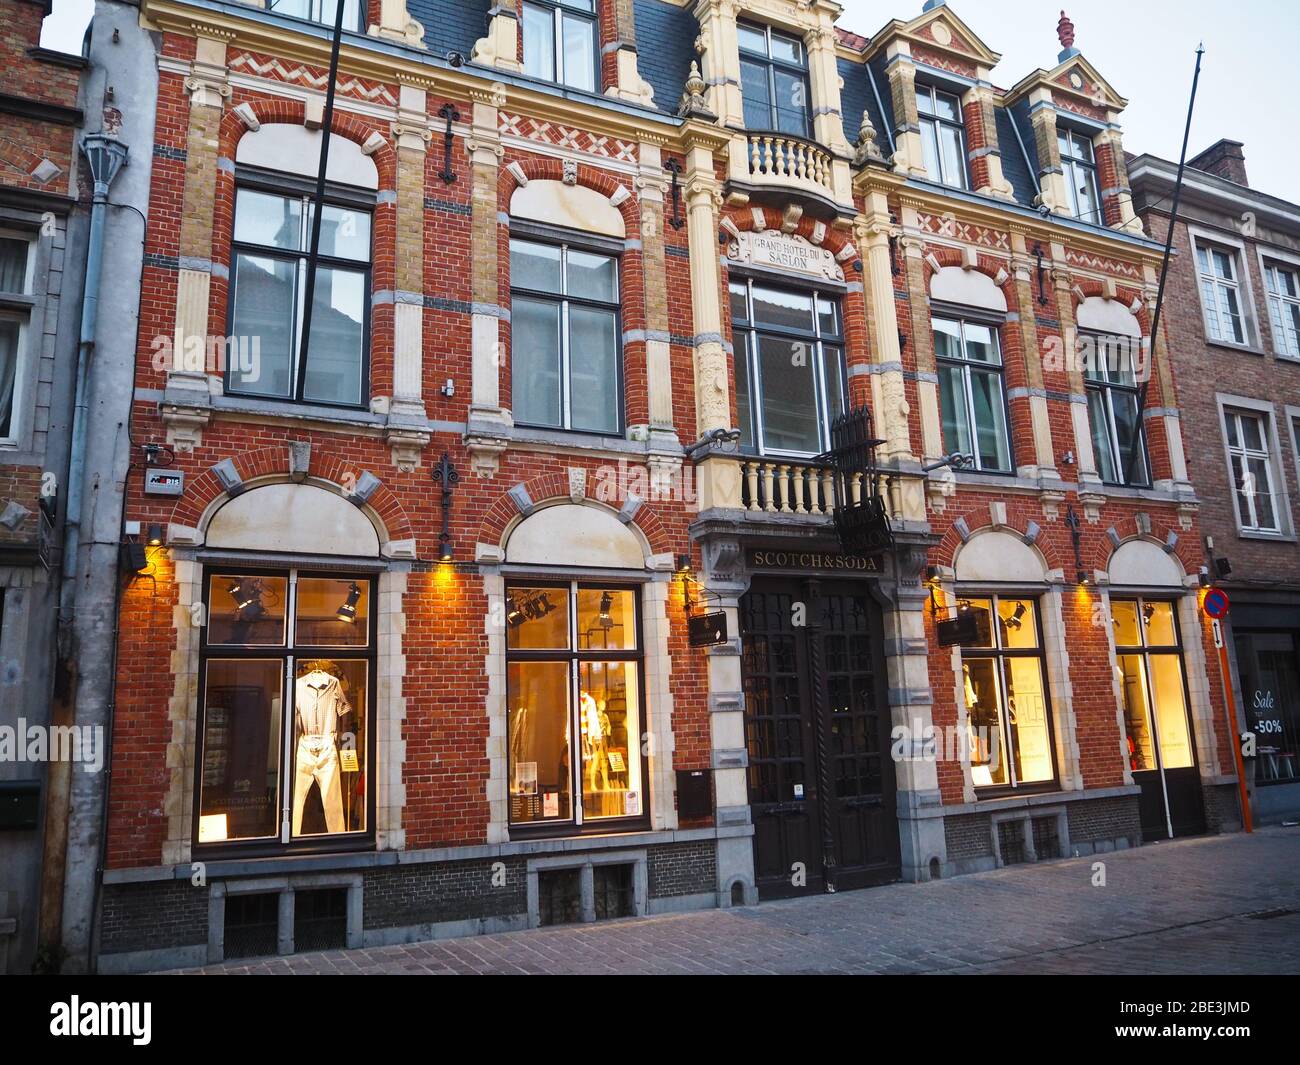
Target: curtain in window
column 8, row 374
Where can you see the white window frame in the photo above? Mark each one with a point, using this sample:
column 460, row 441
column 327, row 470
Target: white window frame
column 957, row 181
column 1243, row 405
column 559, row 11
column 1073, row 167
column 19, row 306
column 1293, row 432
column 1273, row 258
column 1223, row 242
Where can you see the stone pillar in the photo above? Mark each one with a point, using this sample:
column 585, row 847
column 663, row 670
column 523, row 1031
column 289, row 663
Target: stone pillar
column 1051, row 179
column 712, row 378
column 720, row 59
column 654, row 268
column 1162, row 402
column 983, row 148
column 824, row 76
column 726, row 582
column 1089, row 479
column 1023, row 269
column 187, row 401
column 407, row 432
column 908, row 156
column 911, row 709
column 396, row 24
column 1112, row 173
column 489, row 420
column 500, row 48
column 628, row 84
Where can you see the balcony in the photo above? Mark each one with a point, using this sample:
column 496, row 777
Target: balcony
column 768, row 166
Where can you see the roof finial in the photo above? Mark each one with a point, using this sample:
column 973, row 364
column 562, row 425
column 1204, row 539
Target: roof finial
column 1065, row 33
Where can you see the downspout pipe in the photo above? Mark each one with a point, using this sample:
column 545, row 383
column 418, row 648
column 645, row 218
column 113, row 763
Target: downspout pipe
column 106, row 156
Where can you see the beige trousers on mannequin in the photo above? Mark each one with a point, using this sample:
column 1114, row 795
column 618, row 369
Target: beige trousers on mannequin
column 319, row 761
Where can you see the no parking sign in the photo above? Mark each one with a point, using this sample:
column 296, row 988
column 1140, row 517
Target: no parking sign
column 1215, row 604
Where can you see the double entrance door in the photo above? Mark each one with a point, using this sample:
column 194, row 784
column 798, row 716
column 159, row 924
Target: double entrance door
column 821, row 779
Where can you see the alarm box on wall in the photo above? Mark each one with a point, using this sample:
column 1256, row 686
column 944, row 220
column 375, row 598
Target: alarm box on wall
column 694, row 794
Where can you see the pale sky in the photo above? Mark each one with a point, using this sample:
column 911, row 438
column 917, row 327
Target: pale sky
column 1144, row 48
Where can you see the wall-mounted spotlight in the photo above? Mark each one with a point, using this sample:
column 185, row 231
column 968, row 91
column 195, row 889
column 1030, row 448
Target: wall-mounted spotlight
column 247, row 594
column 445, row 474
column 604, row 620
column 1017, row 618
column 348, row 610
column 155, row 535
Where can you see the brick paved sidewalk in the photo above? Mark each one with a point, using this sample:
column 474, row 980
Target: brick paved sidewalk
column 1192, row 906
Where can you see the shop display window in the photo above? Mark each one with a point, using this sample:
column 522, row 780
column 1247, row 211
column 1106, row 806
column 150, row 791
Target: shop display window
column 287, row 667
column 573, row 688
column 1149, row 668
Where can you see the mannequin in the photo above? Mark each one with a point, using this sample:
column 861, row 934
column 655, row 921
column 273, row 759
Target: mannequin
column 595, row 739
column 319, row 703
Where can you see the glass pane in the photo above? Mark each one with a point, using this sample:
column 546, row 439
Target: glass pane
column 593, row 277
column 835, row 405
column 264, row 325
column 787, row 49
column 980, row 690
column 1098, row 421
column 337, row 331
column 755, row 91
column 984, row 628
column 537, row 619
column 952, row 403
column 579, row 53
column 946, row 106
column 954, row 162
column 1131, row 452
column 1223, row 266
column 1171, row 712
column 744, row 409
column 1234, row 435
column 752, row 39
column 273, row 221
column 538, row 735
column 828, row 317
column 535, row 266
column 13, row 265
column 1252, row 432
column 606, row 619
column 739, row 302
column 539, row 42
column 1027, row 719
column 579, row 5
column 925, row 99
column 992, row 448
column 1261, row 485
column 535, row 350
column 1063, row 144
column 239, row 781
column 8, row 373
column 344, row 233
column 930, row 149
column 609, row 721
column 1137, row 715
column 1123, row 616
column 593, row 366
column 784, row 310
column 1159, row 620
column 786, row 373
column 332, row 613
column 246, row 610
column 947, row 338
column 791, row 103
column 981, row 343
column 329, row 754
column 1017, row 623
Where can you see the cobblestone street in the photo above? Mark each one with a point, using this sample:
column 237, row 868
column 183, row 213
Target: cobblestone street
column 1227, row 904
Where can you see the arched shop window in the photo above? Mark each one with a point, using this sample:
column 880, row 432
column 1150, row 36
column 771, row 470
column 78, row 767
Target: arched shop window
column 575, row 701
column 285, row 758
column 1005, row 690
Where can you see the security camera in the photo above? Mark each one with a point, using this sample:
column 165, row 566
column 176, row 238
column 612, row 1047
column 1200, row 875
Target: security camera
column 455, row 59
column 1044, row 210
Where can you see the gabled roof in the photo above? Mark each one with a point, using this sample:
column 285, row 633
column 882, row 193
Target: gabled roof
column 1076, row 78
column 940, row 29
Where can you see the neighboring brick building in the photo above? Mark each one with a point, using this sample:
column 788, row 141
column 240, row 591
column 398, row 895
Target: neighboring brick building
column 41, row 251
column 580, row 336
column 1234, row 322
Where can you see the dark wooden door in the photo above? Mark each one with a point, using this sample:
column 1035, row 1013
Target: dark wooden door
column 821, row 783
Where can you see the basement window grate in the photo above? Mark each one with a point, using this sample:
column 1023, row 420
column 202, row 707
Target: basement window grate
column 1047, row 838
column 559, row 896
column 612, row 885
column 320, row 919
column 252, row 925
column 1011, row 842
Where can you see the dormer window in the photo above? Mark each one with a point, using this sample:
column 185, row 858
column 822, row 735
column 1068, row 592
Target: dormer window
column 1079, row 165
column 560, row 42
column 943, row 135
column 324, row 11
column 774, row 80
